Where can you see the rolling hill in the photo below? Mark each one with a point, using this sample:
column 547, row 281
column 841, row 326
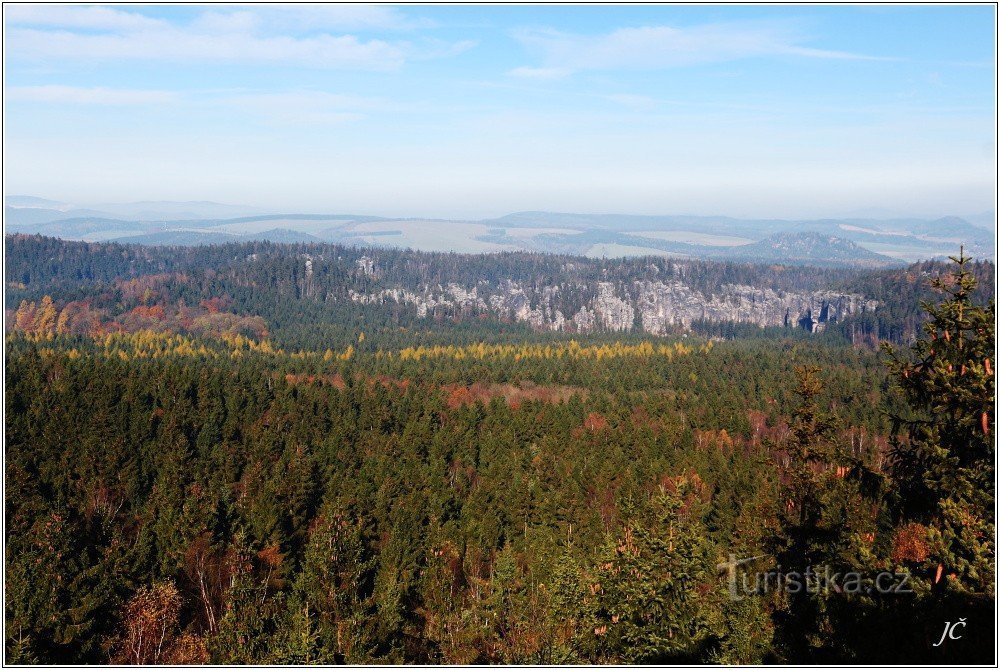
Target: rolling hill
column 845, row 242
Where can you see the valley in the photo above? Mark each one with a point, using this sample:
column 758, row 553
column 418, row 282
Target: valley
column 834, row 242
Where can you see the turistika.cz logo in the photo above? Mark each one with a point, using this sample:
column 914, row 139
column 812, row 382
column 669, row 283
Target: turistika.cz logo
column 818, row 580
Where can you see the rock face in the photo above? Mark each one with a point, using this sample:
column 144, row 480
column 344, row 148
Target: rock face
column 366, row 266
column 654, row 306
column 663, row 306
column 449, row 296
column 613, row 313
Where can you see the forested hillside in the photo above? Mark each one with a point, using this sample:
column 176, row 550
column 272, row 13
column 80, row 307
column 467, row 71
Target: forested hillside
column 320, row 295
column 235, row 454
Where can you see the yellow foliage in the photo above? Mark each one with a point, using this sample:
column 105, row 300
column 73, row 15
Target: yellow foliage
column 45, row 317
column 571, row 350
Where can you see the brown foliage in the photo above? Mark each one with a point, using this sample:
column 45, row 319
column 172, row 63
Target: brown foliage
column 187, row 649
column 225, row 323
column 595, row 423
column 910, row 544
column 714, row 439
column 216, row 304
column 152, row 312
column 695, row 493
column 515, row 395
column 150, row 621
column 144, row 288
column 335, row 380
column 77, row 318
column 210, row 571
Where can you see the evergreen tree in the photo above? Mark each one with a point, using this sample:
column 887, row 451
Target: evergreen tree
column 659, row 599
column 943, row 459
column 817, row 517
column 810, row 450
column 335, row 580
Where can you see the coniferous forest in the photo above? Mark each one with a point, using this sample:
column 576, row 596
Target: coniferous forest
column 223, row 455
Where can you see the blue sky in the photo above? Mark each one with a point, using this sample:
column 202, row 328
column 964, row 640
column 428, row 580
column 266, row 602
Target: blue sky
column 782, row 111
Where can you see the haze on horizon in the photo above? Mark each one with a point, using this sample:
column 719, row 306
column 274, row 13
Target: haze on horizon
column 475, row 112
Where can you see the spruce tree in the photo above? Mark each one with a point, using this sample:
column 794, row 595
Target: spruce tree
column 657, row 597
column 943, row 450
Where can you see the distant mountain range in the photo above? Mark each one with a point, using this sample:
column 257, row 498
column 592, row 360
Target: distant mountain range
column 805, row 248
column 835, row 242
column 53, row 210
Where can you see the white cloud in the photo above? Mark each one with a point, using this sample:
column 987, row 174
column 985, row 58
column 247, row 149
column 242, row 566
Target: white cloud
column 288, row 17
column 68, row 16
column 320, row 51
column 226, row 22
column 661, row 47
column 341, row 17
column 296, row 35
column 73, row 95
column 310, row 98
column 432, row 48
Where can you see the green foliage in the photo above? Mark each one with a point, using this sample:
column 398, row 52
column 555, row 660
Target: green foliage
column 494, row 503
column 944, row 452
column 657, row 581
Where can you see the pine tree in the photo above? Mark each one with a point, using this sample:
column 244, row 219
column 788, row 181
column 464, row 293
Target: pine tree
column 335, row 580
column 246, row 628
column 819, row 515
column 658, row 598
column 568, row 608
column 299, row 642
column 811, row 450
column 943, row 451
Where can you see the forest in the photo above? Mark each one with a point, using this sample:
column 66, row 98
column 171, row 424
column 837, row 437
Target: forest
column 217, row 455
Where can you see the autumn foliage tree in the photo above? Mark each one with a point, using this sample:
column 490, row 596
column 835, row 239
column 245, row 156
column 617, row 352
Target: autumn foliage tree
column 151, row 635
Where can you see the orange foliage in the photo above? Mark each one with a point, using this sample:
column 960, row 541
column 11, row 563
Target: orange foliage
column 187, row 649
column 43, row 319
column 77, row 318
column 150, row 621
column 910, row 544
column 460, row 396
column 718, row 439
column 24, row 318
column 595, row 422
column 40, row 319
column 154, row 312
column 690, row 487
column 514, row 395
column 143, row 288
column 271, row 556
column 216, row 305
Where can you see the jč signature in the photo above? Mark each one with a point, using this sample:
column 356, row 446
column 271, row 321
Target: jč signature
column 950, row 630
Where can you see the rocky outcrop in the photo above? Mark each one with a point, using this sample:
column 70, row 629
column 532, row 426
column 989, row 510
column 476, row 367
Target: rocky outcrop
column 451, row 296
column 661, row 306
column 366, row 266
column 613, row 313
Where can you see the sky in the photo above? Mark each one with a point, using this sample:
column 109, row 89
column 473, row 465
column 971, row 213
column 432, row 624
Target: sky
column 477, row 111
